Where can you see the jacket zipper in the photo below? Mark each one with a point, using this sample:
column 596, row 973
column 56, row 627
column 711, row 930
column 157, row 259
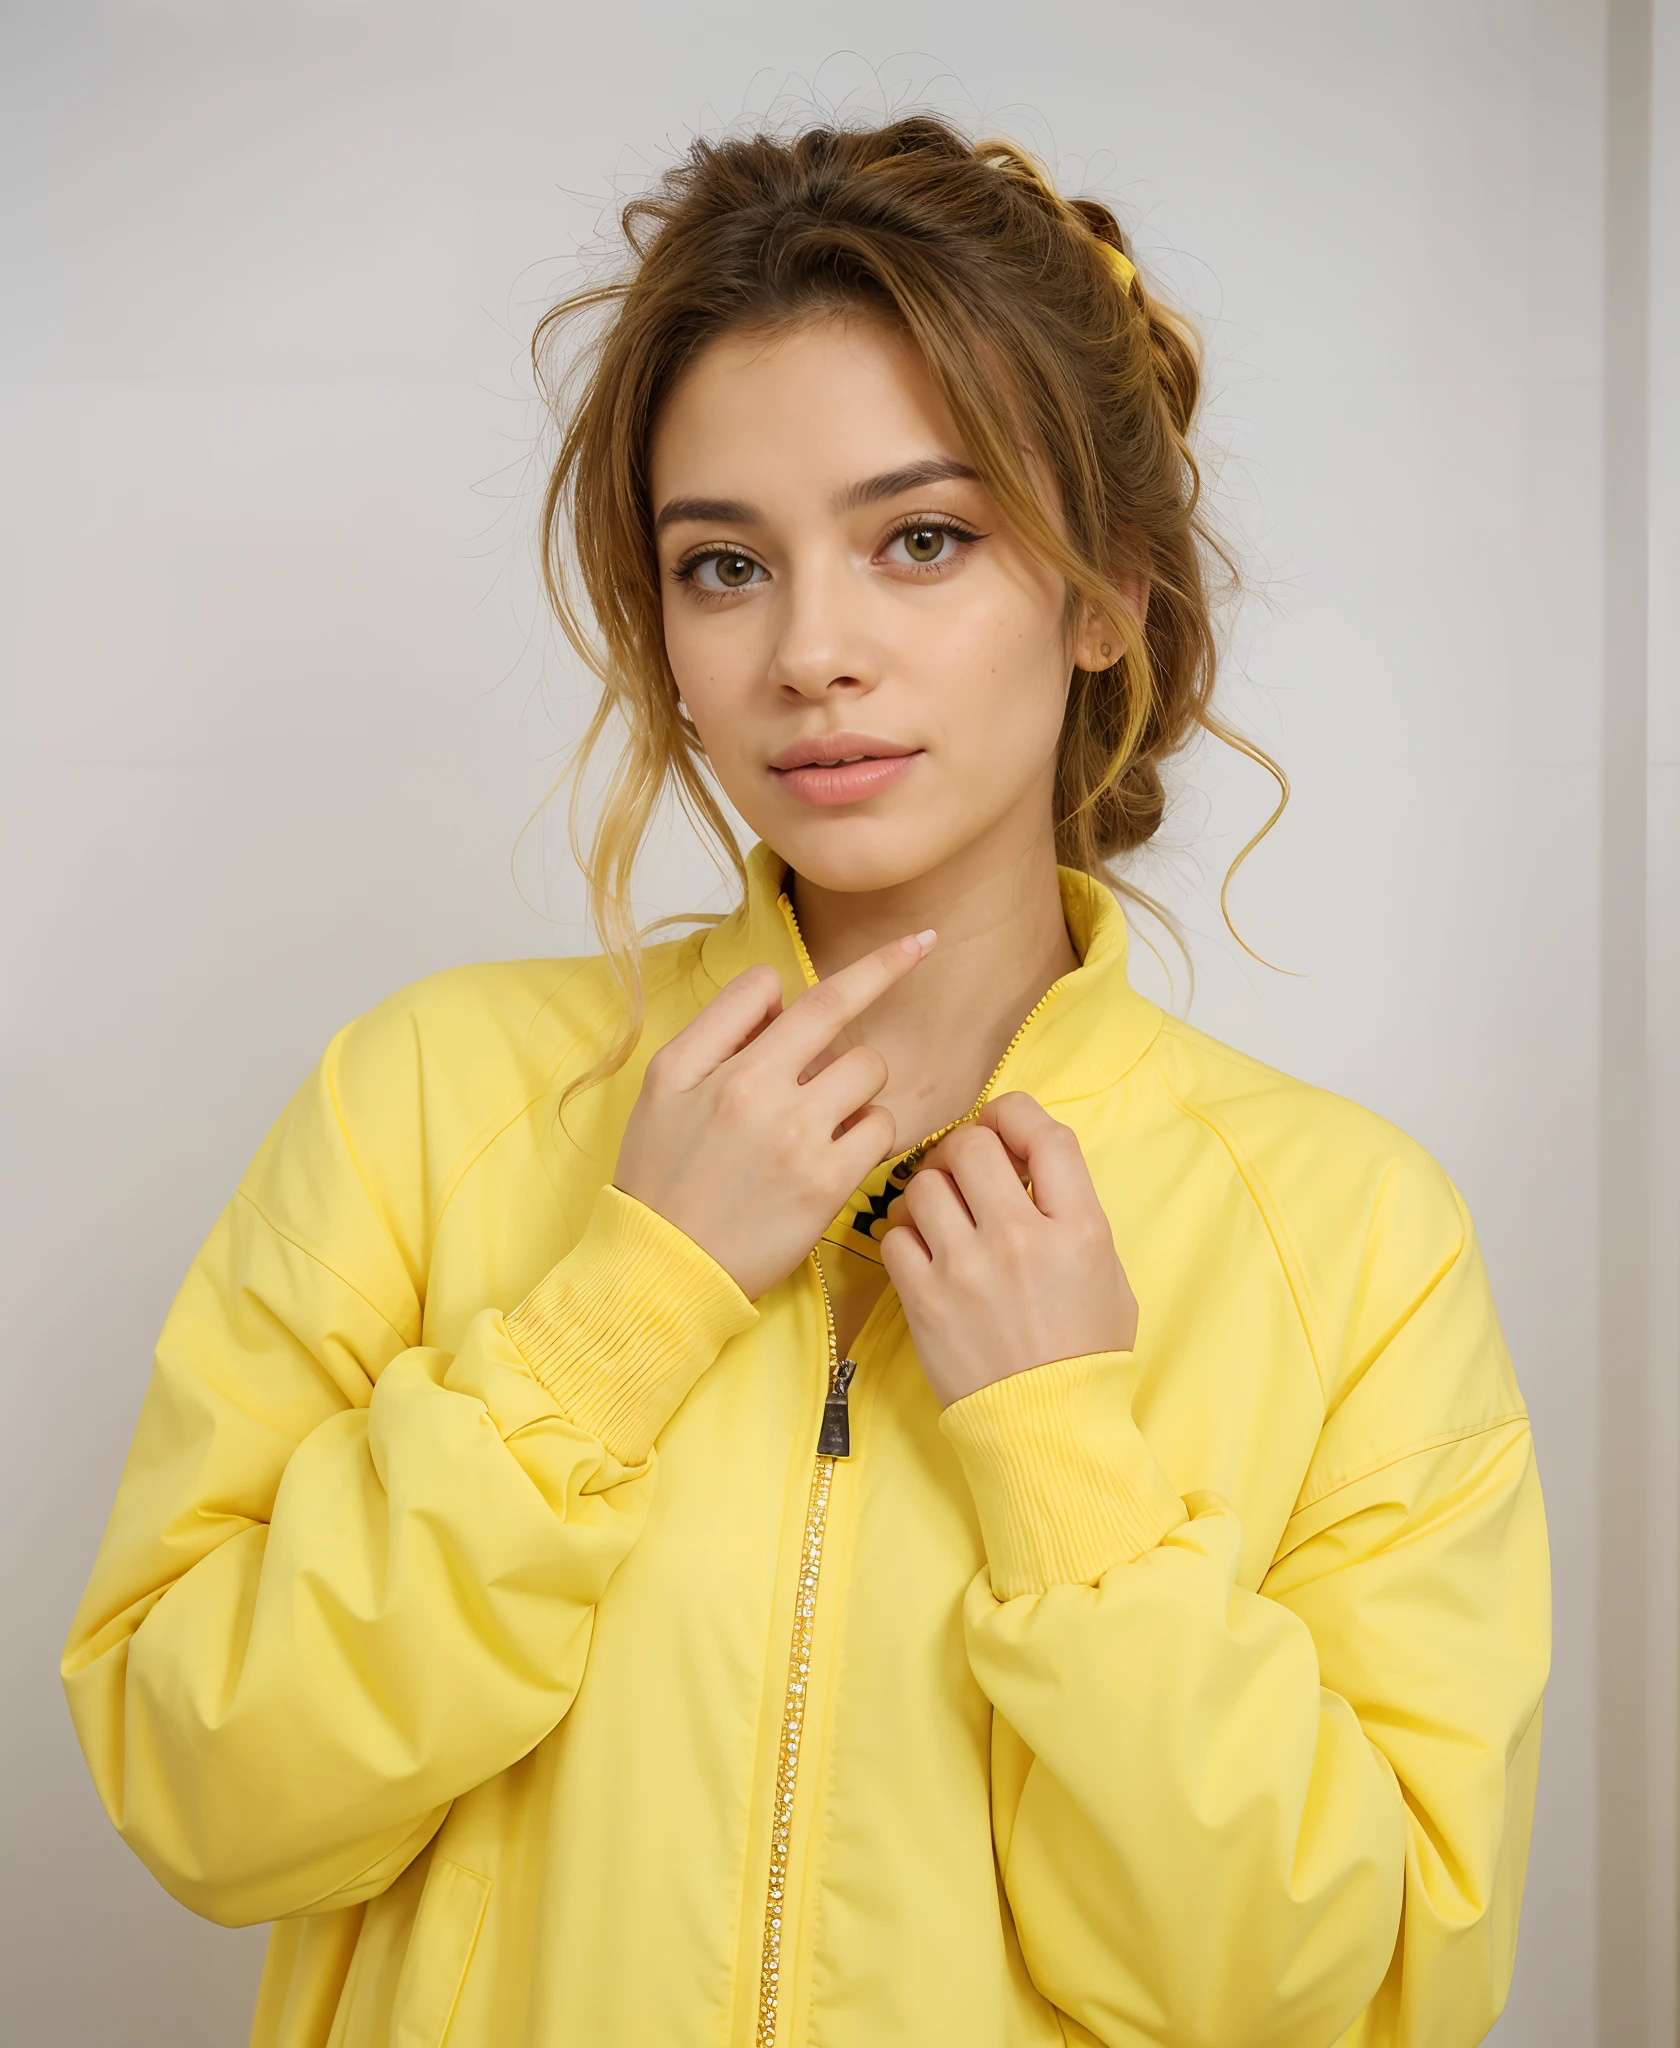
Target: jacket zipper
column 834, row 1440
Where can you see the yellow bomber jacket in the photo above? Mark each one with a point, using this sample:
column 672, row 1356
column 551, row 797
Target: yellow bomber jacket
column 476, row 1608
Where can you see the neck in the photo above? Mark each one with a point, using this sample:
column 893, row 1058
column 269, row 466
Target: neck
column 1002, row 941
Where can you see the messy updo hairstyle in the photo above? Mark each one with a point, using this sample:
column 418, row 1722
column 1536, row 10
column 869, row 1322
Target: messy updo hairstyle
column 1042, row 344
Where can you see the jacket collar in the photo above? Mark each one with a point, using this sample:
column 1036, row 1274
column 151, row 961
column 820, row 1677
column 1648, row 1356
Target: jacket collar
column 1090, row 1029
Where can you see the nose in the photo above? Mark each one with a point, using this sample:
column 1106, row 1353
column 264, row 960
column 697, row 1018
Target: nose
column 823, row 647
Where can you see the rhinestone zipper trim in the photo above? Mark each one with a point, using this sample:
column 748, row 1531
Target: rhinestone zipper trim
column 793, row 1709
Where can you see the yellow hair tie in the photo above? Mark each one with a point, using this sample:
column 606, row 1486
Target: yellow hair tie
column 1015, row 162
column 1124, row 269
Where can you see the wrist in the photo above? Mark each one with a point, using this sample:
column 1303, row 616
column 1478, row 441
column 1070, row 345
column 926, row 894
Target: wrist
column 744, row 1262
column 956, row 1370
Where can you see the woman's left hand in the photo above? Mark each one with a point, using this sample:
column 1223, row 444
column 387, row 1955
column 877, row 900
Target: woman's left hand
column 994, row 1278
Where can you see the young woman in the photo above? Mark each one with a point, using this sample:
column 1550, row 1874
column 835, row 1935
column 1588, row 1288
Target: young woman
column 843, row 1480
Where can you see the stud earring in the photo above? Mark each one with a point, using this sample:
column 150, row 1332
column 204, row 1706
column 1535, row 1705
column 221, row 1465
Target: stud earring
column 1106, row 650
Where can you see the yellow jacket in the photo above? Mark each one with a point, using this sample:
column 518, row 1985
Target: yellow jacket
column 475, row 1608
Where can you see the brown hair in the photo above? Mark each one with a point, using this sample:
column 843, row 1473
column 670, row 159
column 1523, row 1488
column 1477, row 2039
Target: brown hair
column 1039, row 349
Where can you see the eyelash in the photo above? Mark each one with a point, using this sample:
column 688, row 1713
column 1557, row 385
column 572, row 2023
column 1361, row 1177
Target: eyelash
column 963, row 534
column 955, row 528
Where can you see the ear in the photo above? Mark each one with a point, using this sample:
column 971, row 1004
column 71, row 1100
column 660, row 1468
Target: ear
column 1097, row 644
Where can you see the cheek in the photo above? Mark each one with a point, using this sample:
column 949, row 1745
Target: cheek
column 1003, row 676
column 715, row 662
column 683, row 648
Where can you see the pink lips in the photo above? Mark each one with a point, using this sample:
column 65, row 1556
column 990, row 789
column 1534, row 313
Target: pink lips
column 841, row 767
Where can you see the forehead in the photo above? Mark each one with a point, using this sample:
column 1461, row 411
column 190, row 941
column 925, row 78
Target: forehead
column 810, row 409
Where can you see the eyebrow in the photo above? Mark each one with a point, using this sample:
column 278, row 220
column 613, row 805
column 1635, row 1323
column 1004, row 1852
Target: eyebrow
column 707, row 512
column 891, row 483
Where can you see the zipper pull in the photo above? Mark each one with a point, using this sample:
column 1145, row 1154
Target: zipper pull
column 834, row 1439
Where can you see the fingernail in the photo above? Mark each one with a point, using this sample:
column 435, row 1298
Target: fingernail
column 925, row 941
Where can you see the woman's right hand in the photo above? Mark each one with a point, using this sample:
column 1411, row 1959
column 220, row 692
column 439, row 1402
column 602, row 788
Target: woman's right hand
column 750, row 1130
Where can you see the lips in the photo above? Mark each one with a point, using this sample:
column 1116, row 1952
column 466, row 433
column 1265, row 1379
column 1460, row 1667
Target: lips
column 841, row 767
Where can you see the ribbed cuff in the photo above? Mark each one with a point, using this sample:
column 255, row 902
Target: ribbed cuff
column 625, row 1324
column 1064, row 1483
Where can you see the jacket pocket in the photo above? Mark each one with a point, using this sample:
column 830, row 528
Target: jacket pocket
column 439, row 1950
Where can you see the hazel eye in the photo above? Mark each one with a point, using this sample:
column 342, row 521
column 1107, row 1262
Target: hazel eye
column 930, row 544
column 724, row 572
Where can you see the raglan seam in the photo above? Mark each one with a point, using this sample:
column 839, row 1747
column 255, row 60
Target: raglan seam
column 495, row 1125
column 243, row 1193
column 1271, row 1221
column 1109, row 1082
column 577, row 964
column 500, row 1122
column 489, row 1132
column 494, row 1128
column 1276, row 1225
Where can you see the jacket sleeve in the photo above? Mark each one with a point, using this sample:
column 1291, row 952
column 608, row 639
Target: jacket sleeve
column 349, row 1576
column 1288, row 1814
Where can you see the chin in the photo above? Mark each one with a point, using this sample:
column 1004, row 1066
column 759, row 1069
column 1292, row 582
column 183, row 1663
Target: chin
column 858, row 855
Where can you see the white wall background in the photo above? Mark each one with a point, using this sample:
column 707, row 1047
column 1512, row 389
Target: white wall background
column 276, row 702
